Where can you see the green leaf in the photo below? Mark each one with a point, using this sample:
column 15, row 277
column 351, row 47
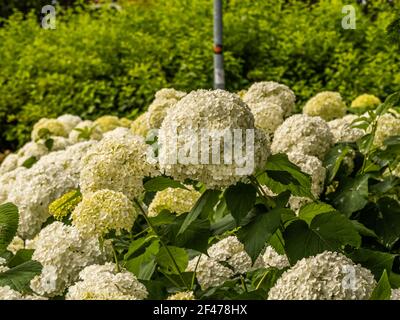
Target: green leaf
column 352, row 196
column 255, row 234
column 383, row 290
column 164, row 217
column 28, row 163
column 194, row 237
column 240, row 199
column 281, row 175
column 161, row 183
column 49, row 143
column 376, row 261
column 328, row 231
column 334, row 160
column 310, row 210
column 202, row 208
column 137, row 244
column 22, row 255
column 8, row 224
column 363, row 230
column 19, row 277
column 144, row 265
column 167, row 264
column 387, row 223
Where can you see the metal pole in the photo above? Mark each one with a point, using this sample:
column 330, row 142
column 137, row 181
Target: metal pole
column 219, row 75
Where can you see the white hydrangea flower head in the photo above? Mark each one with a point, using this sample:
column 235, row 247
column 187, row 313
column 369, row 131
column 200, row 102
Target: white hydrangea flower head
column 225, row 248
column 48, row 179
column 103, row 282
column 271, row 92
column 328, row 105
column 3, row 267
column 93, row 131
column 103, row 211
column 164, row 100
column 272, row 259
column 326, row 276
column 395, row 294
column 388, row 125
column 366, row 101
column 31, row 149
column 268, row 116
column 7, row 180
column 6, row 293
column 118, row 162
column 16, row 244
column 304, row 134
column 63, row 252
column 184, row 295
column 107, row 123
column 50, row 127
column 231, row 250
column 209, row 272
column 343, row 131
column 140, row 126
column 69, row 121
column 175, row 200
column 9, row 163
column 214, row 112
column 312, row 166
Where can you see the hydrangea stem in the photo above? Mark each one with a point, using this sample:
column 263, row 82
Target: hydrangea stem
column 162, row 243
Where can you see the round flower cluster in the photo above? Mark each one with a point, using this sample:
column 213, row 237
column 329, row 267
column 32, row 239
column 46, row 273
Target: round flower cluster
column 304, row 134
column 104, row 282
column 118, row 162
column 175, row 200
column 164, row 100
column 185, row 295
column 272, row 259
column 140, row 125
column 343, row 131
column 185, row 151
column 15, row 245
column 102, row 211
column 48, row 127
column 271, row 92
column 63, row 252
column 32, row 190
column 326, row 276
column 388, row 125
column 109, row 123
column 327, row 105
column 7, row 293
column 366, row 101
column 69, row 121
column 268, row 116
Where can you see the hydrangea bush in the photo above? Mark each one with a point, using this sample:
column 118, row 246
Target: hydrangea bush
column 96, row 209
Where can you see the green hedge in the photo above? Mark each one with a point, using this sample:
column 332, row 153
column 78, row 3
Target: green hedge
column 112, row 62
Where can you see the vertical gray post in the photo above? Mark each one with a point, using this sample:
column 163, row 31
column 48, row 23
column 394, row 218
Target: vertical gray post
column 219, row 75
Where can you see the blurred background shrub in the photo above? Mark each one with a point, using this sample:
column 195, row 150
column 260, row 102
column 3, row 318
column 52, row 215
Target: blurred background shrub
column 108, row 61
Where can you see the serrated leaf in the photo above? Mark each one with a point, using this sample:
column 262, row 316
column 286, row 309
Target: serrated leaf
column 161, row 183
column 19, row 277
column 376, row 261
column 294, row 180
column 352, row 195
column 9, row 219
column 334, row 159
column 22, row 255
column 240, row 199
column 383, row 290
column 144, row 265
column 167, row 264
column 202, row 208
column 328, row 231
column 135, row 245
column 309, row 211
column 255, row 234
